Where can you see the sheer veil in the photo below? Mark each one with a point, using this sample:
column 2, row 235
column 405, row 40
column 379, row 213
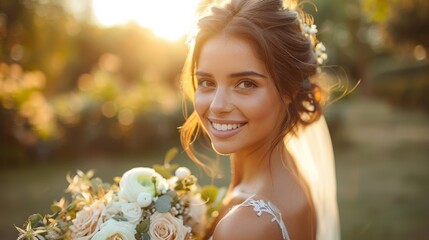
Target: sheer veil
column 312, row 150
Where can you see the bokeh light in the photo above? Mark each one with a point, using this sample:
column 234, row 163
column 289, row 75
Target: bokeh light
column 169, row 19
column 419, row 52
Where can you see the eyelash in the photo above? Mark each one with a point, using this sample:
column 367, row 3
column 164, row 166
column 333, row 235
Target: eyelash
column 205, row 82
column 202, row 81
column 247, row 81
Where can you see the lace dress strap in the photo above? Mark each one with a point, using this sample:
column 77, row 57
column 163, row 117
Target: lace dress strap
column 260, row 206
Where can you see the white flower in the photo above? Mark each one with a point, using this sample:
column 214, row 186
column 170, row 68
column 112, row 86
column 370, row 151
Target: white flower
column 113, row 229
column 162, row 186
column 144, row 199
column 88, row 221
column 172, row 182
column 138, row 180
column 163, row 226
column 197, row 212
column 132, row 212
column 312, row 29
column 114, row 207
column 182, row 172
column 320, row 47
column 320, row 51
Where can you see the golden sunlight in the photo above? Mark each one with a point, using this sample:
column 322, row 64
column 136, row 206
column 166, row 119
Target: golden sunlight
column 170, row 19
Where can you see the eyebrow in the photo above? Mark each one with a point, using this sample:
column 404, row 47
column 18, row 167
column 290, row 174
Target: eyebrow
column 233, row 75
column 203, row 74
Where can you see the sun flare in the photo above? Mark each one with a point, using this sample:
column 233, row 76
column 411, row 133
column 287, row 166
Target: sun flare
column 170, row 19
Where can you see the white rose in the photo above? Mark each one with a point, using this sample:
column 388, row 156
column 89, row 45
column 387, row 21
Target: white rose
column 182, row 172
column 113, row 229
column 138, row 180
column 132, row 212
column 114, row 207
column 88, row 221
column 163, row 226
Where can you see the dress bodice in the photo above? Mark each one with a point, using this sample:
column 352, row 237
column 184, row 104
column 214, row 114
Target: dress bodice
column 260, row 207
column 266, row 207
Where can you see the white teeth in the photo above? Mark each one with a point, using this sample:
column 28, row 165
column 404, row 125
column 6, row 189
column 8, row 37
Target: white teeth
column 225, row 127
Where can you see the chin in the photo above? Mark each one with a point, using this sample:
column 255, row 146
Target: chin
column 222, row 149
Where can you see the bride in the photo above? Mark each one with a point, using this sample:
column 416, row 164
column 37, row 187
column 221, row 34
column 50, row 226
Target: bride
column 251, row 76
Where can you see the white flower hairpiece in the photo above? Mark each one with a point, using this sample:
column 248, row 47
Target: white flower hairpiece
column 319, row 49
column 320, row 52
column 306, row 29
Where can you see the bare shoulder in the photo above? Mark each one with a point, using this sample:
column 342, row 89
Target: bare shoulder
column 244, row 223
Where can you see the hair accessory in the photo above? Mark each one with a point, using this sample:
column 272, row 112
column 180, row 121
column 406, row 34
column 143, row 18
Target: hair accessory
column 319, row 49
column 320, row 52
column 307, row 30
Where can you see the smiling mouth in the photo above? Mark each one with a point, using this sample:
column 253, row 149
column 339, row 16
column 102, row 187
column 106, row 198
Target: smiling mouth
column 224, row 127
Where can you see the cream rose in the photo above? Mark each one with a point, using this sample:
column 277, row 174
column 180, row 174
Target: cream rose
column 132, row 212
column 113, row 229
column 138, row 180
column 88, row 221
column 163, row 226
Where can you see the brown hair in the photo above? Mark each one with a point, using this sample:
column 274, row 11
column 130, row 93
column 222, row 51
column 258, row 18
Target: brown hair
column 274, row 31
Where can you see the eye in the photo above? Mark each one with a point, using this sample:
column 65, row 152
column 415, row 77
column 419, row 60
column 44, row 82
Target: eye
column 204, row 83
column 246, row 84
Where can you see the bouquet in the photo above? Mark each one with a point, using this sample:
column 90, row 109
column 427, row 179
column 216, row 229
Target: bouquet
column 145, row 203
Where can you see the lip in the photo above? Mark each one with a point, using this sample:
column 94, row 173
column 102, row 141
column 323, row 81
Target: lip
column 225, row 134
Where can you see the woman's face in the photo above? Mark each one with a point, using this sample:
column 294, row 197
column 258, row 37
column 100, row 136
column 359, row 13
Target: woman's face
column 236, row 100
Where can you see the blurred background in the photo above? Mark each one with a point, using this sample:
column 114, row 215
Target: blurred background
column 94, row 84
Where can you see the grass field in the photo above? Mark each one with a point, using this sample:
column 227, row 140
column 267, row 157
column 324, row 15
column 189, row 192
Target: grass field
column 382, row 160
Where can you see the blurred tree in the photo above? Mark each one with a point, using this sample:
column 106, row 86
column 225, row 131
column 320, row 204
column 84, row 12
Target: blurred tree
column 404, row 22
column 104, row 89
column 404, row 27
column 38, row 35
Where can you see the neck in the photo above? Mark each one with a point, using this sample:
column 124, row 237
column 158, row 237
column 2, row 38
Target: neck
column 252, row 171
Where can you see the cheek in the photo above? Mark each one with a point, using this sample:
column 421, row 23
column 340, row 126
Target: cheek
column 264, row 108
column 201, row 103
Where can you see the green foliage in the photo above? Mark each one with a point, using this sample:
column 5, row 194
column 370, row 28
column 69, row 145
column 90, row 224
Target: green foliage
column 35, row 220
column 163, row 203
column 166, row 170
column 143, row 227
column 119, row 218
column 209, row 193
column 377, row 10
column 170, row 155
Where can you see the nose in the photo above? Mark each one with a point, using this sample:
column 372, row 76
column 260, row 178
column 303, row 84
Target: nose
column 221, row 102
